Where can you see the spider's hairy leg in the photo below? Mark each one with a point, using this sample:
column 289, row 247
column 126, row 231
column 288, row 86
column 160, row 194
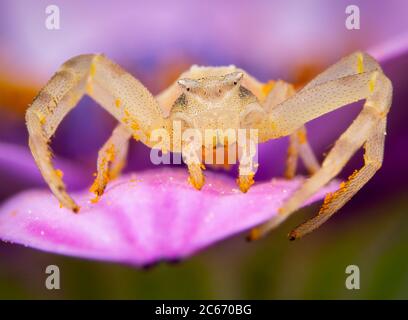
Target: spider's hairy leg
column 63, row 90
column 344, row 148
column 299, row 146
column 373, row 157
column 279, row 91
column 292, row 157
column 107, row 83
column 191, row 157
column 355, row 77
column 248, row 163
column 111, row 158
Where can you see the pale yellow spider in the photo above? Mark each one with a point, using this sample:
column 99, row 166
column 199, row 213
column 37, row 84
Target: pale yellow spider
column 222, row 98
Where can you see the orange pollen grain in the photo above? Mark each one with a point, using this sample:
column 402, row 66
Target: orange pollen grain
column 94, row 187
column 111, row 153
column 330, row 197
column 267, row 87
column 302, row 137
column 327, row 200
column 92, row 70
column 353, row 175
column 245, row 182
column 95, row 200
column 59, row 173
column 135, row 125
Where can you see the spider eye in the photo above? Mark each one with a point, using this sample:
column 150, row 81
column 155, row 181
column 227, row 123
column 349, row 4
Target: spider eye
column 233, row 78
column 188, row 84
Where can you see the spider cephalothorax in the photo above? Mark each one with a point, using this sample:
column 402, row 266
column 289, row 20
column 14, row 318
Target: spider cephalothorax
column 222, row 99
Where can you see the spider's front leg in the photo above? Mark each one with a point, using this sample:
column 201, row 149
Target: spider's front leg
column 355, row 77
column 111, row 158
column 108, row 84
column 191, row 157
column 253, row 117
column 248, row 162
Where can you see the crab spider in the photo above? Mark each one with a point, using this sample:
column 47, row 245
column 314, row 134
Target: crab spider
column 222, row 98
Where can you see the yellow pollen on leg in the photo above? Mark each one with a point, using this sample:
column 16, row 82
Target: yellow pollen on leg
column 360, row 63
column 96, row 199
column 92, row 70
column 41, row 117
column 94, row 187
column 330, row 197
column 196, row 178
column 147, row 134
column 134, row 125
column 245, row 182
column 302, row 138
column 117, row 103
column 371, row 83
column 110, row 153
column 59, row 173
column 327, row 200
column 273, row 126
column 98, row 187
column 292, row 150
column 267, row 87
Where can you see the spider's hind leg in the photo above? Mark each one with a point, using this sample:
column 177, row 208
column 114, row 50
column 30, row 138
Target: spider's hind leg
column 344, row 148
column 373, row 157
column 300, row 147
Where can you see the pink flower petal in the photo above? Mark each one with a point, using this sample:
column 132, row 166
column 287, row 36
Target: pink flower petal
column 152, row 216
